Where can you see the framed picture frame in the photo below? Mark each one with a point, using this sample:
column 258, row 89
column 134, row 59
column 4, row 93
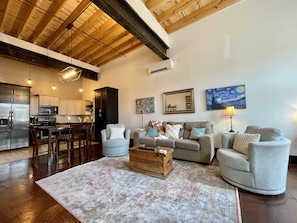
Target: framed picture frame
column 177, row 102
column 145, row 105
column 220, row 98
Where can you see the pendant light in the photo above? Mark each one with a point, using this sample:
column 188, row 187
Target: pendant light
column 70, row 73
column 80, row 89
column 54, row 85
column 29, row 81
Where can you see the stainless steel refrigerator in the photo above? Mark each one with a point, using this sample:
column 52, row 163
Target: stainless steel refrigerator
column 14, row 121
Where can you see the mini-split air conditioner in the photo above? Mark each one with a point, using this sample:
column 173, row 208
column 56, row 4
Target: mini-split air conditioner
column 162, row 66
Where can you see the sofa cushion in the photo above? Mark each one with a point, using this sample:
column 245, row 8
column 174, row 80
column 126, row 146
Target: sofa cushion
column 172, row 131
column 147, row 141
column 152, row 131
column 267, row 134
column 252, row 129
column 189, row 125
column 233, row 159
column 197, row 132
column 187, row 144
column 270, row 134
column 242, row 140
column 165, row 142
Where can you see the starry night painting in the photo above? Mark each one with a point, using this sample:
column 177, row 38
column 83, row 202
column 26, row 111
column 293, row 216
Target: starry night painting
column 219, row 98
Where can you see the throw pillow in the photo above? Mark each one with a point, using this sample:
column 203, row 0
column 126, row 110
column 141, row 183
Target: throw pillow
column 172, row 131
column 197, row 132
column 152, row 132
column 117, row 133
column 242, row 140
column 159, row 126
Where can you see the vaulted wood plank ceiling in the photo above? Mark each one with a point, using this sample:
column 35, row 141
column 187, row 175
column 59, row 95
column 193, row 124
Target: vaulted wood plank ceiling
column 81, row 30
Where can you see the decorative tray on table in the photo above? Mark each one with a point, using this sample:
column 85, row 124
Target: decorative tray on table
column 148, row 147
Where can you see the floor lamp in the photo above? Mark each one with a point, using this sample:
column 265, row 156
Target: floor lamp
column 230, row 111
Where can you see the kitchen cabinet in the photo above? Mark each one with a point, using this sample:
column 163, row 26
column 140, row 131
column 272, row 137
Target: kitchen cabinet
column 79, row 107
column 62, row 107
column 70, row 107
column 14, row 94
column 33, row 106
column 106, row 109
column 46, row 100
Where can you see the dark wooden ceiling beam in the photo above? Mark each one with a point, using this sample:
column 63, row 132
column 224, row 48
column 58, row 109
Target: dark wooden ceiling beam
column 123, row 14
column 27, row 56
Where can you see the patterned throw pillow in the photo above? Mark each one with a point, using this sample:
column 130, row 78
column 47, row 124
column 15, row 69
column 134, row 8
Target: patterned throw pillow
column 172, row 131
column 197, row 132
column 242, row 140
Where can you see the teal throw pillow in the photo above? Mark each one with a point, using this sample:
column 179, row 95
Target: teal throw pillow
column 197, row 132
column 152, row 131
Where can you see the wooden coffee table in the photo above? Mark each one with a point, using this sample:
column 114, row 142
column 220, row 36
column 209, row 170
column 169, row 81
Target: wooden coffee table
column 151, row 161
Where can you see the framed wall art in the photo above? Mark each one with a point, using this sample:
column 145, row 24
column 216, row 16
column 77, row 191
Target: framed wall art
column 219, row 98
column 145, row 105
column 181, row 101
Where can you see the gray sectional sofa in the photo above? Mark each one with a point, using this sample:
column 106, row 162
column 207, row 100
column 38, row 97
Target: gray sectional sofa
column 197, row 150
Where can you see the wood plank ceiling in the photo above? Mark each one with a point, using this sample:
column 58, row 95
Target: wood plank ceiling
column 81, row 30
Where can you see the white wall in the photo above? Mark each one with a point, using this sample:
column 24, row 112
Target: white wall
column 252, row 42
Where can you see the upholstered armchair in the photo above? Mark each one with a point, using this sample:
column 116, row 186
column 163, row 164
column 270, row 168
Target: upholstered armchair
column 115, row 140
column 256, row 160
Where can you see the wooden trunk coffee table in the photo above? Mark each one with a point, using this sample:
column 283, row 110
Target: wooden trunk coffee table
column 151, row 161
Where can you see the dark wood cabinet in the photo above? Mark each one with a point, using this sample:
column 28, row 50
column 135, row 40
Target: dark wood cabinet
column 106, row 109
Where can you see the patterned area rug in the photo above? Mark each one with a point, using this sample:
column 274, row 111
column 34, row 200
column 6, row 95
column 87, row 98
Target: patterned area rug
column 106, row 190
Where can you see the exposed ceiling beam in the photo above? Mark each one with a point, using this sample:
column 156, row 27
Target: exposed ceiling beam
column 121, row 12
column 27, row 56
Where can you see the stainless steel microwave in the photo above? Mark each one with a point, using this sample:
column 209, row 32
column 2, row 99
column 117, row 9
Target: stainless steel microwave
column 48, row 110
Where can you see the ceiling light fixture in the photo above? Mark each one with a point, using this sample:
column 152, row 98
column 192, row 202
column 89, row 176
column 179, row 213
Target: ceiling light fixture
column 70, row 73
column 80, row 89
column 29, row 81
column 54, row 85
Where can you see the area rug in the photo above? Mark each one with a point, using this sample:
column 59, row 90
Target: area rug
column 106, row 190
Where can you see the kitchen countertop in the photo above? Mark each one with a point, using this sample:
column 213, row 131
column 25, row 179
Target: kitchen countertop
column 68, row 123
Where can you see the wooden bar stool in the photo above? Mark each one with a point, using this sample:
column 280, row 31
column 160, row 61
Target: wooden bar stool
column 37, row 141
column 74, row 135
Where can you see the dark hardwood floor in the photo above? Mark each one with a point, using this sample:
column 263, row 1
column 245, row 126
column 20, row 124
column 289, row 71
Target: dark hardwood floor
column 21, row 200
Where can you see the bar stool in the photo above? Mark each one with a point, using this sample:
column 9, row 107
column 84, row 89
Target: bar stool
column 37, row 141
column 87, row 139
column 74, row 135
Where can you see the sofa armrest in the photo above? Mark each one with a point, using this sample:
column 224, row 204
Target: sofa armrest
column 207, row 147
column 269, row 162
column 127, row 134
column 103, row 135
column 227, row 140
column 137, row 135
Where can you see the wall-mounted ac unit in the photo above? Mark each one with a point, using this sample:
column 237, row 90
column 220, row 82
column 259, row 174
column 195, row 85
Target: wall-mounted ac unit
column 162, row 66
